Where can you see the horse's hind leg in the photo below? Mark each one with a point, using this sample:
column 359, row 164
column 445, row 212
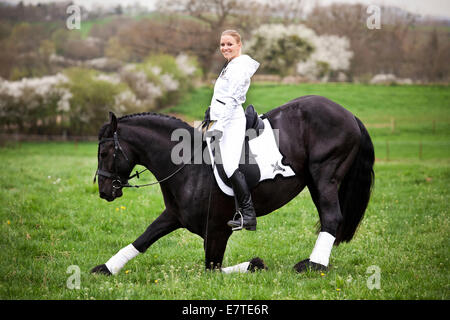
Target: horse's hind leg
column 323, row 187
column 163, row 225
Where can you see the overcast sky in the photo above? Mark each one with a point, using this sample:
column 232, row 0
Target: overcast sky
column 422, row 7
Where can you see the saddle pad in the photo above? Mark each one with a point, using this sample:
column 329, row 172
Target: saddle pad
column 268, row 158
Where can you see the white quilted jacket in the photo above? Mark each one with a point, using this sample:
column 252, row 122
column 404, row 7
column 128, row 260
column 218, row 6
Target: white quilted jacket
column 231, row 87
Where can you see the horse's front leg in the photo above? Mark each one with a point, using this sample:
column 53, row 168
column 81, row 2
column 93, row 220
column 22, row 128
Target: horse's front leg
column 163, row 225
column 215, row 243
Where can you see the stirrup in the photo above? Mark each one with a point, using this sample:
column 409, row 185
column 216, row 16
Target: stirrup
column 238, row 212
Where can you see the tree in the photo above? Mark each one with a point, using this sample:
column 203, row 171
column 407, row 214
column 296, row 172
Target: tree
column 215, row 16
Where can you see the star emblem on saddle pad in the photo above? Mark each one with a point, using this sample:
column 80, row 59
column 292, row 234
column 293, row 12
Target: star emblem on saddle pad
column 276, row 167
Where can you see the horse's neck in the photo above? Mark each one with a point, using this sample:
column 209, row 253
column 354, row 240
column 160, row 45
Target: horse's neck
column 152, row 149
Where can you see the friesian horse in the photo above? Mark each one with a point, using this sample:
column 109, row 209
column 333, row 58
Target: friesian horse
column 328, row 148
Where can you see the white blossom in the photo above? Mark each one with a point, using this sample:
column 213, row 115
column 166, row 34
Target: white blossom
column 382, row 78
column 169, row 83
column 328, row 50
column 184, row 65
column 156, row 70
column 111, row 78
column 331, row 50
column 33, row 92
column 64, row 102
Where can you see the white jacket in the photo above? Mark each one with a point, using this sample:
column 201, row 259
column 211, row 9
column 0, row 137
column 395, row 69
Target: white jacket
column 231, row 87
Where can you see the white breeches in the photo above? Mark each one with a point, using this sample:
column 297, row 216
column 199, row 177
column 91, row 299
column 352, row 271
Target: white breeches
column 233, row 129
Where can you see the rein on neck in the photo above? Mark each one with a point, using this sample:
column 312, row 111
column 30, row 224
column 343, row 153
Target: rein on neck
column 117, row 181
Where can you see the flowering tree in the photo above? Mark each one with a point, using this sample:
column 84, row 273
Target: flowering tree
column 77, row 100
column 331, row 54
column 296, row 49
column 30, row 101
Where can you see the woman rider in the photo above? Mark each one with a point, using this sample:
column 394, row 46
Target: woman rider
column 228, row 115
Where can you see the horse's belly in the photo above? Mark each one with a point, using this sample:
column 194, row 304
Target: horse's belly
column 271, row 195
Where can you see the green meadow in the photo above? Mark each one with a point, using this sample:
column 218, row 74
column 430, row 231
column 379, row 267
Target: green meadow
column 52, row 219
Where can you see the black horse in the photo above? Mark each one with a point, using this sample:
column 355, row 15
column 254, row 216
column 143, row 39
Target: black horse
column 328, row 148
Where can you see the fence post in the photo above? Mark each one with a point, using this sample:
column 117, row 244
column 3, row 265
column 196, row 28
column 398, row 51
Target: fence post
column 387, row 150
column 392, row 125
column 420, row 150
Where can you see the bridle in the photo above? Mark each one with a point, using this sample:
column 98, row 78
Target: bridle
column 117, row 182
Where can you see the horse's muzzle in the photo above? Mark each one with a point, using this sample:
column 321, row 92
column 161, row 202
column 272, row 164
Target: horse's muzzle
column 116, row 193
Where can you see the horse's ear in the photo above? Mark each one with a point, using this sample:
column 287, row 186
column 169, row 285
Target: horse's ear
column 112, row 121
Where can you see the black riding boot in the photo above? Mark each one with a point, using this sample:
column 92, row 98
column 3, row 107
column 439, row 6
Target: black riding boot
column 244, row 200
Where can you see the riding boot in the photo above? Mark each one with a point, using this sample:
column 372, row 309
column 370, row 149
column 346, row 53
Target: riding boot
column 244, row 200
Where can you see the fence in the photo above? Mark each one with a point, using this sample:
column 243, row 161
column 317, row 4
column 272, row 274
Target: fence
column 393, row 123
column 388, row 150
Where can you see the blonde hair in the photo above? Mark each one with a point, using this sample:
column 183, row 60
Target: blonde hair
column 234, row 34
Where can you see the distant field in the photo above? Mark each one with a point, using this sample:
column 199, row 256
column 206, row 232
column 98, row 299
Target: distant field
column 403, row 116
column 51, row 217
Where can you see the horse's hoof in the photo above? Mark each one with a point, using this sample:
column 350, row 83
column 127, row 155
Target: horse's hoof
column 307, row 265
column 101, row 269
column 256, row 264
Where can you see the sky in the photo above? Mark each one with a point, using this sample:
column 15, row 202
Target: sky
column 423, row 7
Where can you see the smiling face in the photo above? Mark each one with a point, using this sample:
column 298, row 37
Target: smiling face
column 229, row 47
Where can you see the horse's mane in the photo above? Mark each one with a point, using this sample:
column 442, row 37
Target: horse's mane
column 143, row 119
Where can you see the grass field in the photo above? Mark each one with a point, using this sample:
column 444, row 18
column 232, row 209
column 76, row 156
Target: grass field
column 52, row 218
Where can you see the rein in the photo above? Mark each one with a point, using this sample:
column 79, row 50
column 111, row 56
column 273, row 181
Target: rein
column 117, row 182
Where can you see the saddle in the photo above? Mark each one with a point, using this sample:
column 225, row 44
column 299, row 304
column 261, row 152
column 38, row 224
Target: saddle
column 247, row 164
column 260, row 156
column 253, row 121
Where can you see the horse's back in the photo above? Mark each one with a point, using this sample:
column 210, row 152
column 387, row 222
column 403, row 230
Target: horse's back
column 313, row 128
column 313, row 108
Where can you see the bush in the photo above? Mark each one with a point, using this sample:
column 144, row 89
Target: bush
column 31, row 105
column 92, row 98
column 296, row 49
column 162, row 80
column 77, row 101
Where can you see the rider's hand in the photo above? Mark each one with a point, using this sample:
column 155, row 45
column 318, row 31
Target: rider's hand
column 207, row 119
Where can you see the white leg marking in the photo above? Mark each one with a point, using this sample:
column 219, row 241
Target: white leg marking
column 241, row 268
column 119, row 260
column 322, row 249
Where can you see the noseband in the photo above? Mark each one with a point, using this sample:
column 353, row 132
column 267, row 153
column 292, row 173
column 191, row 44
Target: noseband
column 117, row 181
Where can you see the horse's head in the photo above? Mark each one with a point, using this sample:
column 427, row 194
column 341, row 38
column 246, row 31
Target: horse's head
column 114, row 165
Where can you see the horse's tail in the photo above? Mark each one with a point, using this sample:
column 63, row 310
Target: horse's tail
column 356, row 187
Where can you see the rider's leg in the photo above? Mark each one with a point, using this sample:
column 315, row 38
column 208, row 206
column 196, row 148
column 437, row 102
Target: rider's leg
column 244, row 199
column 231, row 145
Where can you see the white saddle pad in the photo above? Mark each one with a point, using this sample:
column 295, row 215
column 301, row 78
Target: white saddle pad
column 267, row 156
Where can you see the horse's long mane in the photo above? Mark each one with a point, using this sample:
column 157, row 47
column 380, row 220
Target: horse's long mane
column 153, row 115
column 146, row 119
